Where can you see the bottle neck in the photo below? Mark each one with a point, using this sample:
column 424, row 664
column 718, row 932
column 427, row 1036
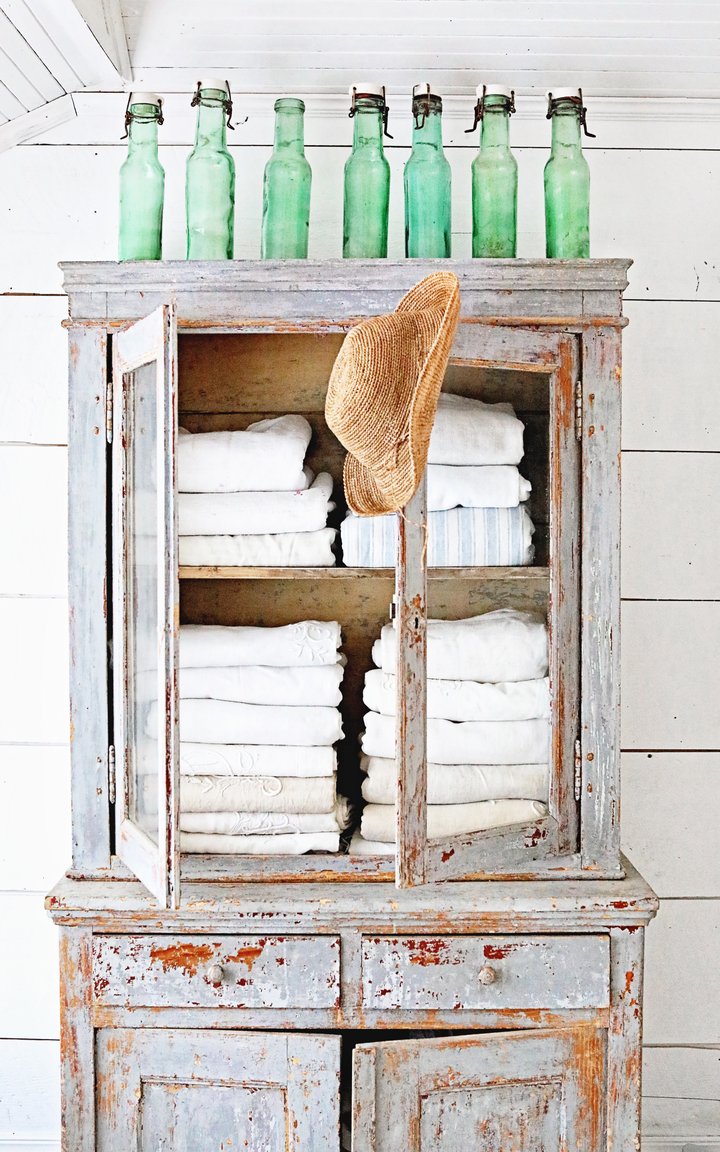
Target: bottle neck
column 368, row 127
column 143, row 129
column 566, row 130
column 429, row 133
column 289, row 129
column 495, row 131
column 211, row 129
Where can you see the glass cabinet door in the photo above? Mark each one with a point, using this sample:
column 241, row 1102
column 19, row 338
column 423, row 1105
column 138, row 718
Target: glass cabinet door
column 539, row 371
column 145, row 602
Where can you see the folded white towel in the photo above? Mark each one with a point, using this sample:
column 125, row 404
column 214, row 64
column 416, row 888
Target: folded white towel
column 294, row 844
column 504, row 645
column 460, row 537
column 227, row 722
column 459, row 783
column 288, row 646
column 475, row 486
column 464, row 699
column 359, row 846
column 258, row 684
column 471, row 432
column 501, row 742
column 267, row 456
column 284, row 550
column 267, row 823
column 255, row 760
column 256, row 513
column 257, row 794
column 378, row 820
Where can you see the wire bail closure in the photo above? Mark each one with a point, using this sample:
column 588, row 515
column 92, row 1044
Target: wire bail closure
column 578, row 102
column 384, row 109
column 227, row 104
column 421, row 106
column 132, row 117
column 480, row 107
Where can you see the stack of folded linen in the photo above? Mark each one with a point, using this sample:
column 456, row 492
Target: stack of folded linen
column 246, row 498
column 259, row 717
column 475, row 493
column 488, row 728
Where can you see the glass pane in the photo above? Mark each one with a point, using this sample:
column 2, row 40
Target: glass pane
column 142, row 620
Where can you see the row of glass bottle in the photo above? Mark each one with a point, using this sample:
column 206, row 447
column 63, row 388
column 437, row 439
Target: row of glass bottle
column 210, row 180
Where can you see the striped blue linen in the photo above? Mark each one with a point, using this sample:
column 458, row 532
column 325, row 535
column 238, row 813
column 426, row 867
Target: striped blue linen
column 457, row 537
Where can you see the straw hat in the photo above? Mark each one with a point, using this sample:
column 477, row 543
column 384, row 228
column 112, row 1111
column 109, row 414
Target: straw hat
column 383, row 394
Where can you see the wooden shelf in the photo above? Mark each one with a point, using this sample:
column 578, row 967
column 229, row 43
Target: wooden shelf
column 212, row 572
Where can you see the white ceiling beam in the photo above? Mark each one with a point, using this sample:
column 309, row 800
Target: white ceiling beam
column 105, row 20
column 78, row 43
column 32, row 124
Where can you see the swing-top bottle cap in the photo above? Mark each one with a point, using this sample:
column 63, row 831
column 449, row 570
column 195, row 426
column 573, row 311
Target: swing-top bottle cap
column 493, row 90
column 420, row 90
column 214, row 82
column 144, row 98
column 367, row 88
column 565, row 94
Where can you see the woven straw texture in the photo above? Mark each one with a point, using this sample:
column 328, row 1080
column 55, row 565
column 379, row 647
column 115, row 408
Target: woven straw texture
column 383, row 394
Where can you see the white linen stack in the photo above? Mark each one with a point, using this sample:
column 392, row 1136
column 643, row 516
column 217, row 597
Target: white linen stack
column 259, row 717
column 488, row 731
column 247, row 499
column 476, row 495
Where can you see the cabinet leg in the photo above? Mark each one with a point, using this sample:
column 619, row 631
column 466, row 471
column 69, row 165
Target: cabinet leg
column 77, row 1061
column 625, row 1039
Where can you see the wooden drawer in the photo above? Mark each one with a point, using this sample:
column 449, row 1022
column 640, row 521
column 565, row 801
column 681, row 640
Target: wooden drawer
column 455, row 972
column 217, row 971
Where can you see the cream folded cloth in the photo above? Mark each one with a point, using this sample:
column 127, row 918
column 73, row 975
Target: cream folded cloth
column 359, row 846
column 258, row 684
column 257, row 794
column 460, row 537
column 227, row 722
column 464, row 699
column 378, row 820
column 256, row 513
column 495, row 647
column 267, row 456
column 197, row 759
column 470, row 742
column 475, row 486
column 288, row 646
column 267, row 823
column 471, row 432
column 459, row 783
column 285, row 550
column 294, row 844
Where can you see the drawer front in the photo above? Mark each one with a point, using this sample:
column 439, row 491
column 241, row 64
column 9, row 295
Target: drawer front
column 217, row 971
column 455, row 972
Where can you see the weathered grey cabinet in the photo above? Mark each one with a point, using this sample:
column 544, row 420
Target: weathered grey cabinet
column 486, row 988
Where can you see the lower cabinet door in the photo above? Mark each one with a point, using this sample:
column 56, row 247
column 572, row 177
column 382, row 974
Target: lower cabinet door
column 532, row 1091
column 182, row 1090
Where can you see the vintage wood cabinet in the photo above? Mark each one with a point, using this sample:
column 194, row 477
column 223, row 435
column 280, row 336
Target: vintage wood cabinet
column 484, row 990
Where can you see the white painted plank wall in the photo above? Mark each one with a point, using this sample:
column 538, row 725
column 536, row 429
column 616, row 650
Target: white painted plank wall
column 59, row 202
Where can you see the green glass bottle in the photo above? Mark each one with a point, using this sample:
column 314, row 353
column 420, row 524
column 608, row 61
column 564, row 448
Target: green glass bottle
column 567, row 179
column 142, row 181
column 366, row 199
column 286, row 187
column 427, row 180
column 494, row 176
column 210, row 176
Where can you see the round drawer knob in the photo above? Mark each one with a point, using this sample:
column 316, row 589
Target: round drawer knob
column 215, row 974
column 487, row 975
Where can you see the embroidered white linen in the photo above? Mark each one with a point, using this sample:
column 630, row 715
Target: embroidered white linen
column 256, row 684
column 257, row 794
column 267, row 456
column 468, row 431
column 475, row 486
column 458, row 783
column 378, row 820
column 294, row 844
column 296, row 645
column 464, row 699
column 256, row 513
column 283, row 550
column 267, row 823
column 198, row 759
column 499, row 646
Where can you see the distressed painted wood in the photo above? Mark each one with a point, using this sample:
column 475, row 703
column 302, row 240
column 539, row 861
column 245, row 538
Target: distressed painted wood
column 88, row 581
column 185, row 1089
column 625, row 1039
column 435, row 972
column 508, row 1092
column 77, row 1058
column 233, row 971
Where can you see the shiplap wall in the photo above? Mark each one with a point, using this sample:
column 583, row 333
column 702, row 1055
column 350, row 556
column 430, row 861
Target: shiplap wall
column 656, row 180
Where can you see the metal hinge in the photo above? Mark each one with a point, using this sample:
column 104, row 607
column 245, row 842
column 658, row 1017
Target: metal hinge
column 578, row 770
column 111, row 773
column 578, row 410
column 109, row 412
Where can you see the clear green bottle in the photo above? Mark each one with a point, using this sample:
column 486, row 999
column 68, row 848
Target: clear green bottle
column 366, row 199
column 142, row 181
column 567, row 179
column 210, row 176
column 427, row 180
column 286, row 187
column 494, row 176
